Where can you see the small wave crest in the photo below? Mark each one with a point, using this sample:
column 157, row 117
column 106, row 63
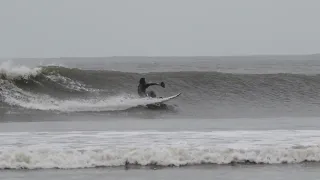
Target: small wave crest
column 66, row 150
column 161, row 156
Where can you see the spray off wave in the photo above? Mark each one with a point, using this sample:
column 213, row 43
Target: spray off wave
column 91, row 149
column 10, row 71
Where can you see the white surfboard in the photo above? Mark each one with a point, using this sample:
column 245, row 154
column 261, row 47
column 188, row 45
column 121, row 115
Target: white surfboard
column 162, row 100
column 168, row 98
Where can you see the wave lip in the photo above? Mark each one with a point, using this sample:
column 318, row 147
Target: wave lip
column 11, row 71
column 70, row 150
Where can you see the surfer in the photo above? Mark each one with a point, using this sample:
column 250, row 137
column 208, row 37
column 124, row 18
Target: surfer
column 143, row 86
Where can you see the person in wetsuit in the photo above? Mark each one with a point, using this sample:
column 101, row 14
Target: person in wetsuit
column 143, row 87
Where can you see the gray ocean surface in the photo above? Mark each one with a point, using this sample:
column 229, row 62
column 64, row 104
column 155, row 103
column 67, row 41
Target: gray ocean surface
column 237, row 118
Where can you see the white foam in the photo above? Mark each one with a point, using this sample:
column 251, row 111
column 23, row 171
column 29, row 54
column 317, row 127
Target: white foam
column 17, row 71
column 69, row 83
column 43, row 63
column 92, row 149
column 17, row 97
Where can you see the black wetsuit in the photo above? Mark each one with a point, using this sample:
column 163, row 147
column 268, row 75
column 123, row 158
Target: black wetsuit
column 143, row 87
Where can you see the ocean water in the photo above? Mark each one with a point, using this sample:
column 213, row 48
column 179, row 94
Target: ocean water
column 237, row 118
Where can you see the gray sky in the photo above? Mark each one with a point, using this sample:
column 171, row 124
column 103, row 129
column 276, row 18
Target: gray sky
column 54, row 28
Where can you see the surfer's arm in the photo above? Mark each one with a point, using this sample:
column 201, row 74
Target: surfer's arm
column 153, row 84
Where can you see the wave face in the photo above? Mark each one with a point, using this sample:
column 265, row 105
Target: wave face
column 63, row 89
column 70, row 89
column 79, row 149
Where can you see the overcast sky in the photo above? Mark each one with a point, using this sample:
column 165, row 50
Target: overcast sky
column 55, row 28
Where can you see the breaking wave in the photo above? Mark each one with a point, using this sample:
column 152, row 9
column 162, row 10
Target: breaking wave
column 19, row 86
column 10, row 71
column 71, row 89
column 67, row 150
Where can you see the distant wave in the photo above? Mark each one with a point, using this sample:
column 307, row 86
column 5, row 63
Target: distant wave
column 67, row 150
column 71, row 89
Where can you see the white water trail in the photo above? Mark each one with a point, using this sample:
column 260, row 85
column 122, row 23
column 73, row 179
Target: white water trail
column 15, row 96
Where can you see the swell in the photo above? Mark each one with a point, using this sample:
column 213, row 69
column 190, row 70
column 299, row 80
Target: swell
column 63, row 85
column 76, row 80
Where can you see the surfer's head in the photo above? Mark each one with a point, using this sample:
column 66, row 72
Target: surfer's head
column 142, row 81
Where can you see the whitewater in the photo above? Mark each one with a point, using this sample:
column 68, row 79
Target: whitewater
column 89, row 149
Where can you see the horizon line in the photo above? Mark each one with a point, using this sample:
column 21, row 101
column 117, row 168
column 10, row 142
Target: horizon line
column 162, row 56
